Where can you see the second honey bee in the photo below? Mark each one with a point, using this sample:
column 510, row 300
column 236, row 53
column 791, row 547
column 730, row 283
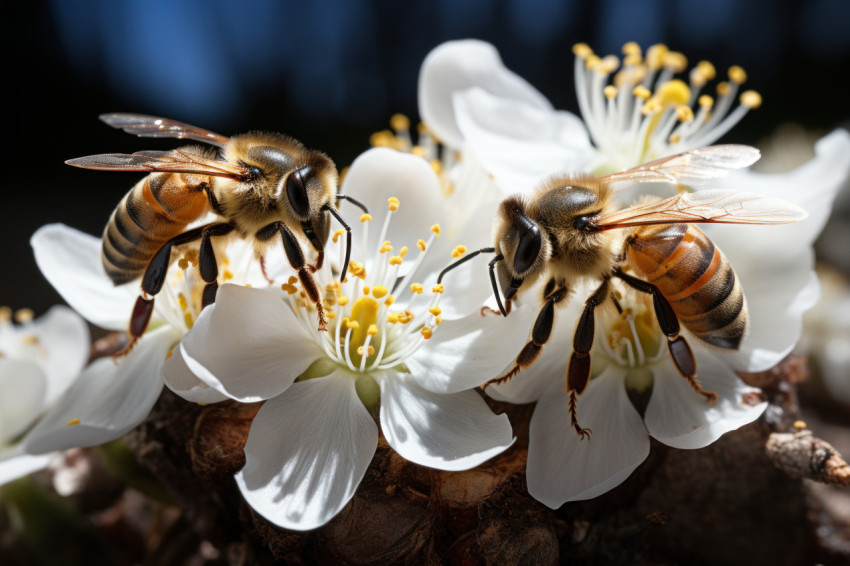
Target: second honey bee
column 571, row 232
column 258, row 185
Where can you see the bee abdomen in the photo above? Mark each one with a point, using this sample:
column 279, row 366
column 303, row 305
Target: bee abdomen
column 144, row 221
column 696, row 278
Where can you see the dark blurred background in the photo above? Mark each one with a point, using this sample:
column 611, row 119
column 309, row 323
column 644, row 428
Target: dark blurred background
column 330, row 72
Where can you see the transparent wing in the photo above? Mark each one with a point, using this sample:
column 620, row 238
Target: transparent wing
column 160, row 162
column 689, row 168
column 713, row 206
column 156, row 127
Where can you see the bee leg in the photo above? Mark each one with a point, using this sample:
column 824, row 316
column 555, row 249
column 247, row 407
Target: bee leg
column 485, row 310
column 317, row 244
column 261, row 258
column 207, row 264
column 578, row 372
column 680, row 351
column 540, row 333
column 295, row 255
column 347, row 228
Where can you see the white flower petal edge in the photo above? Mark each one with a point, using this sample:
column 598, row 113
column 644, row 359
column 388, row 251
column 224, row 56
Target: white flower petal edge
column 263, row 329
column 14, row 463
column 65, row 338
column 679, row 417
column 561, row 467
column 449, row 432
column 182, row 381
column 307, row 452
column 22, row 389
column 107, row 400
column 70, row 260
column 457, row 65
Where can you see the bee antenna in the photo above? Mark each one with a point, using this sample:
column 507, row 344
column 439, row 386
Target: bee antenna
column 345, row 225
column 464, row 260
column 355, row 202
column 493, row 263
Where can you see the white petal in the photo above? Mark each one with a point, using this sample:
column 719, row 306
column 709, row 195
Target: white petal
column 108, row 399
column 448, row 432
column 180, row 379
column 466, row 352
column 458, row 65
column 14, row 463
column 22, row 389
column 679, row 417
column 563, row 468
column 70, row 260
column 307, row 452
column 249, row 345
column 518, row 143
column 65, row 338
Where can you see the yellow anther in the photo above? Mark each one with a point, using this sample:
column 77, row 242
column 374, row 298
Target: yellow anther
column 422, row 128
column 405, row 317
column 706, row 69
column 289, row 288
column 181, row 300
column 371, row 351
column 641, row 92
column 390, row 300
column 379, row 291
column 751, row 99
column 674, row 92
column 799, row 425
column 656, row 55
column 438, row 288
column 684, row 113
column 393, row 204
column 343, row 300
column 426, row 332
column 365, row 217
column 675, row 138
column 436, row 229
column 607, row 65
column 357, row 269
column 5, row 314
column 421, row 245
column 706, row 101
column 366, row 289
column 632, row 60
column 417, row 288
column 399, row 122
column 337, row 234
column 651, row 106
column 418, row 151
column 402, row 252
column 373, row 329
column 183, row 263
column 591, row 61
column 227, row 275
column 436, row 311
column 385, row 247
column 722, row 88
column 631, row 48
column 392, row 318
column 329, row 313
column 437, row 166
column 187, row 318
column 737, row 74
column 292, row 280
column 676, row 61
column 582, row 50
column 352, row 324
column 24, row 315
column 438, row 320
column 610, row 91
column 459, row 251
column 73, row 422
column 396, row 260
column 384, row 138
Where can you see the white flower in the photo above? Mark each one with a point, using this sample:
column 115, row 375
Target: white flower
column 469, row 98
column 112, row 396
column 39, row 360
column 390, row 348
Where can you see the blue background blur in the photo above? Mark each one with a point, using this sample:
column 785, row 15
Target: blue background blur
column 332, row 71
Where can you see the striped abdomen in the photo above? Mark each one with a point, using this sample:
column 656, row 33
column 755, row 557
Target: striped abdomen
column 155, row 210
column 695, row 277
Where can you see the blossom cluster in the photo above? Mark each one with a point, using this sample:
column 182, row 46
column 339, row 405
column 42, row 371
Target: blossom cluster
column 403, row 352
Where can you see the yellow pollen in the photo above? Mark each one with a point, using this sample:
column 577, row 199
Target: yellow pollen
column 365, row 218
column 183, row 263
column 337, row 234
column 422, row 128
column 632, row 60
column 418, row 151
column 706, row 101
column 737, row 74
column 674, row 92
column 610, row 91
column 360, row 351
column 352, row 324
column 73, row 422
column 187, row 318
column 751, row 99
column 421, row 245
column 438, row 288
column 393, row 204
column 24, row 315
column 707, row 70
column 402, row 252
column 5, row 314
column 192, row 256
column 799, row 425
column 631, row 48
column 227, row 275
column 675, row 138
column 330, row 314
column 357, row 269
column 651, row 106
column 427, row 332
column 405, row 317
column 641, row 92
column 436, row 229
column 343, row 300
column 386, row 247
column 399, row 122
column 459, row 251
column 379, row 291
column 384, row 138
column 722, row 88
column 392, row 318
column 330, row 288
column 591, row 61
column 607, row 65
column 292, row 280
column 373, row 329
column 289, row 288
column 396, row 260
column 656, row 56
column 436, row 165
column 366, row 289
column 181, row 300
column 438, row 320
column 416, row 288
column 390, row 300
column 436, row 311
column 676, row 62
column 582, row 50
column 684, row 113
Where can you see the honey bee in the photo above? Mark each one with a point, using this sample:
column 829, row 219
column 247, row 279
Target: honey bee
column 258, row 184
column 564, row 233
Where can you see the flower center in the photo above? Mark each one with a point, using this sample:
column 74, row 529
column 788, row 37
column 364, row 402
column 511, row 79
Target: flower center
column 19, row 340
column 645, row 113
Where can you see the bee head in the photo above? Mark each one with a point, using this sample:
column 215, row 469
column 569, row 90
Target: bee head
column 524, row 245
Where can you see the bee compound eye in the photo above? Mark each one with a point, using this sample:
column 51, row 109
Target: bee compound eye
column 530, row 242
column 296, row 191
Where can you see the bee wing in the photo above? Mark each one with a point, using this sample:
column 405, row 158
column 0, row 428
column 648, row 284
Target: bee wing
column 713, row 206
column 159, row 162
column 691, row 167
column 155, row 127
